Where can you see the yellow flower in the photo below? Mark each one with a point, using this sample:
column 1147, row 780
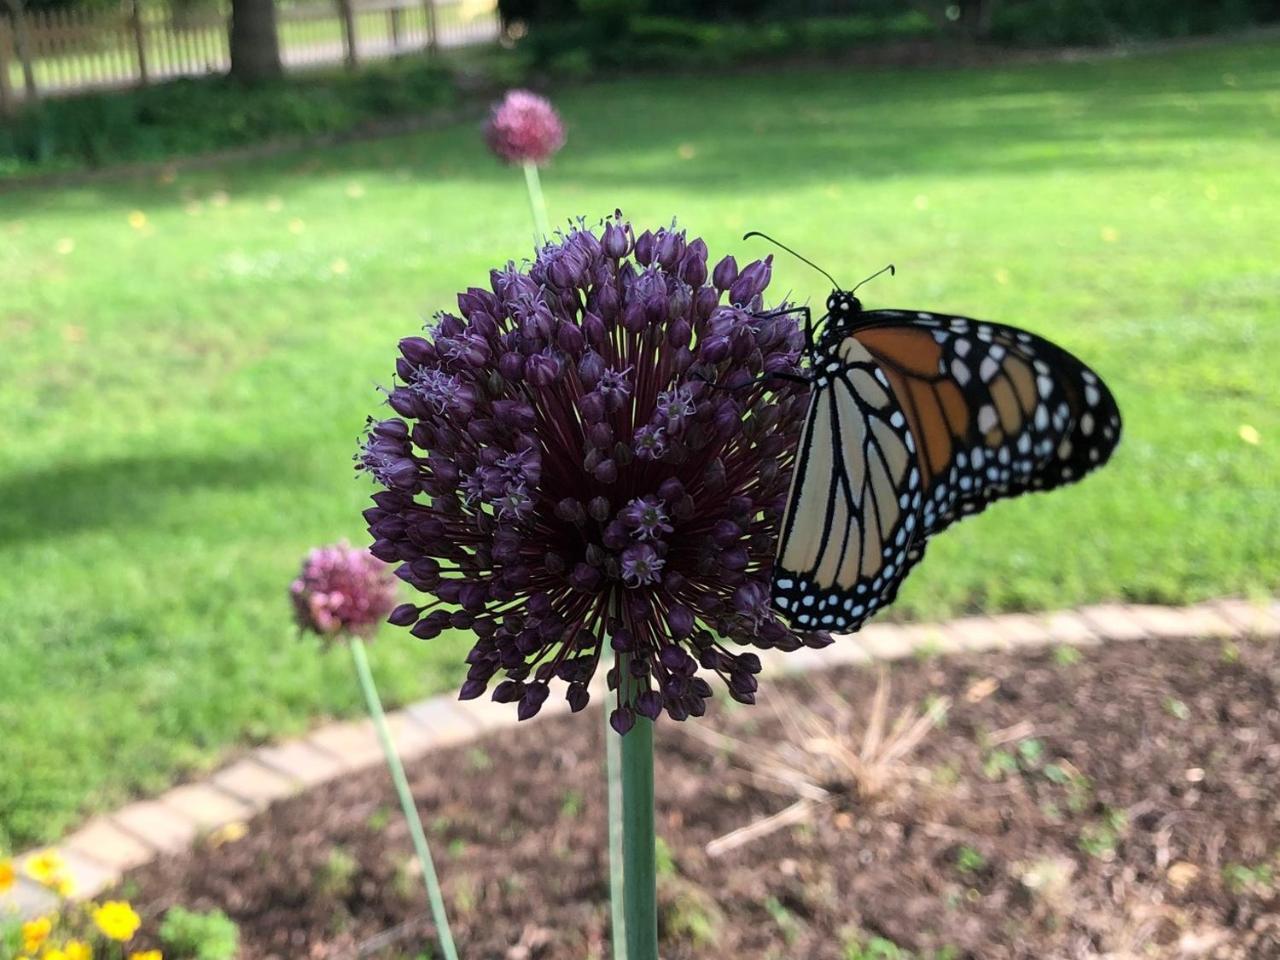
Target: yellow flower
column 7, row 874
column 35, row 933
column 1249, row 434
column 117, row 920
column 53, row 953
column 78, row 950
column 46, row 867
column 146, row 955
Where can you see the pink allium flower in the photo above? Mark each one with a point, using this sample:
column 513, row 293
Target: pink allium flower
column 524, row 128
column 342, row 590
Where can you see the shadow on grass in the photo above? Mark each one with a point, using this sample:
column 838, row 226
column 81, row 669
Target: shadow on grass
column 120, row 494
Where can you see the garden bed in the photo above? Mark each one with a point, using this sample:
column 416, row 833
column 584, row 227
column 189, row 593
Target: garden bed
column 1118, row 801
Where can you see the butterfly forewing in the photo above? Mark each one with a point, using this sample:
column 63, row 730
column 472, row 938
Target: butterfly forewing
column 985, row 411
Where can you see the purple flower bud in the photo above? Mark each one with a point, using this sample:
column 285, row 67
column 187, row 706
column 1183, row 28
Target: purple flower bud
column 679, row 332
column 670, row 249
column 615, row 240
column 751, row 281
column 715, row 477
column 543, row 369
column 511, row 366
column 417, row 351
column 725, row 273
column 593, row 327
column 649, row 704
column 571, row 510
column 571, row 339
column 534, row 696
column 606, row 471
column 622, row 720
column 693, row 265
column 726, row 532
column 591, row 368
column 681, row 621
column 472, row 689
column 705, row 302
column 714, row 349
column 592, row 407
column 645, row 248
column 578, row 696
column 635, row 317
column 404, row 615
column 585, row 577
column 600, row 435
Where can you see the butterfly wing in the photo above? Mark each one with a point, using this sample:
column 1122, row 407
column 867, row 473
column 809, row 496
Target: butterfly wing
column 987, row 411
column 855, row 499
column 997, row 411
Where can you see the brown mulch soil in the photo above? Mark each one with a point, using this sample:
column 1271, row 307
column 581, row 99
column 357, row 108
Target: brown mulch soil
column 1117, row 803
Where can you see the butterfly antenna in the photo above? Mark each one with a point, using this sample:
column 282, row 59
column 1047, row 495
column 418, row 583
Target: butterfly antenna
column 765, row 236
column 889, row 269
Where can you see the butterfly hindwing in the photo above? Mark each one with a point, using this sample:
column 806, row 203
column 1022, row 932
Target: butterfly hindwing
column 855, row 499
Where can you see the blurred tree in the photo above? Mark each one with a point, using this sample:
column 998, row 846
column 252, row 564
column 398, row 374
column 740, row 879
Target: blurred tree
column 255, row 41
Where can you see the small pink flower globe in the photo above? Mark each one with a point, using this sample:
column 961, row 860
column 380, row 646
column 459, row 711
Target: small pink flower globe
column 342, row 591
column 524, row 128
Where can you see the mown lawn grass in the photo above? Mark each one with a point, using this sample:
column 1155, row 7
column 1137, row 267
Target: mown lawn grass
column 186, row 361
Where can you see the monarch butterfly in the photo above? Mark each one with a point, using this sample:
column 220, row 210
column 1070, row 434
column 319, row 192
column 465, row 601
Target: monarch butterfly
column 916, row 420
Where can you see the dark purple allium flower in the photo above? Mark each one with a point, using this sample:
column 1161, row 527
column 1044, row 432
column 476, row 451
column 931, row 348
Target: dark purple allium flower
column 561, row 471
column 342, row 590
column 524, row 128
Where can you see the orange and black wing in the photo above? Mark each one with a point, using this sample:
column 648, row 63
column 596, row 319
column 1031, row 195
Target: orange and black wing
column 987, row 412
column 996, row 411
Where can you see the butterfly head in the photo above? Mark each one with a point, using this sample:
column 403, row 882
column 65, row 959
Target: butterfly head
column 842, row 304
column 843, row 311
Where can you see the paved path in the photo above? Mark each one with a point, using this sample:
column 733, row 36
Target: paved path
column 102, row 850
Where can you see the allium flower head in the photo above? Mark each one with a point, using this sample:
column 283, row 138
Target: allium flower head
column 342, row 590
column 524, row 128
column 583, row 482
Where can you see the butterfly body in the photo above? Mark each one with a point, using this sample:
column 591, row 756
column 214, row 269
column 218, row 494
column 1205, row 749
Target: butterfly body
column 916, row 420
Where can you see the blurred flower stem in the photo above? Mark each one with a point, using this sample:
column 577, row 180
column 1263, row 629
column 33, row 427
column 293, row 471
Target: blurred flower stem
column 640, row 897
column 537, row 204
column 374, row 703
column 613, row 782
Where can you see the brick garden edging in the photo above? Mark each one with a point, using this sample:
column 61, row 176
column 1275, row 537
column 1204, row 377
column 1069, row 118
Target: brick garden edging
column 107, row 846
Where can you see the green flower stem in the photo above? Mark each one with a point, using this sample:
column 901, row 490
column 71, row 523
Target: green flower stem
column 537, row 205
column 613, row 779
column 374, row 702
column 638, row 847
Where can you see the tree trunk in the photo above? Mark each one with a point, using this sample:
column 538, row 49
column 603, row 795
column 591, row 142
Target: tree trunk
column 22, row 45
column 255, row 44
